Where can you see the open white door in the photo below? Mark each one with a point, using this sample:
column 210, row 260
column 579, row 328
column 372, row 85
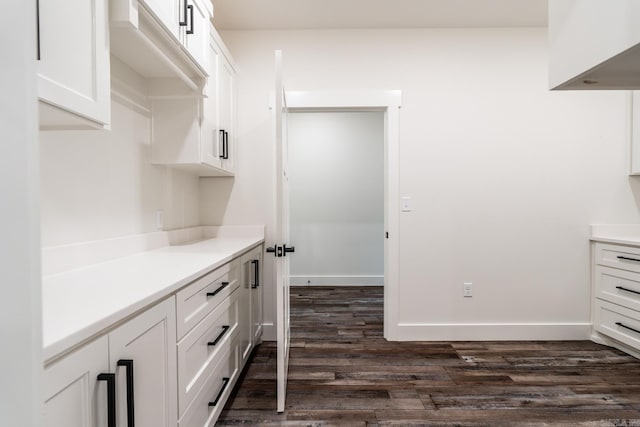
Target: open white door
column 281, row 249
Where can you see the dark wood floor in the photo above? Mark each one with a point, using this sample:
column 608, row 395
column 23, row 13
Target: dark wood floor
column 343, row 372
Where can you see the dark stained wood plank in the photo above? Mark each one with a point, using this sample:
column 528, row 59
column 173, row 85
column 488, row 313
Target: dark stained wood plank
column 344, row 373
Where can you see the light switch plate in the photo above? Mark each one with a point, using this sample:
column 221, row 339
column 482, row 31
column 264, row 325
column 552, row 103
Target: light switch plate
column 406, row 204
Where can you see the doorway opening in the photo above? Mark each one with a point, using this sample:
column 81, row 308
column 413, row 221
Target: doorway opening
column 336, row 197
column 386, row 104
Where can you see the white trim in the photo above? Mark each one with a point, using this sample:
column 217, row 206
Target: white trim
column 345, row 280
column 389, row 101
column 492, row 331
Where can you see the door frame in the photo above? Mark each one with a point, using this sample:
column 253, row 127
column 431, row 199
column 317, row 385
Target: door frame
column 390, row 102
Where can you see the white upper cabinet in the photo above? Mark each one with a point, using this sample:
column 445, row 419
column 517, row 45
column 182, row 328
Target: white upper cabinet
column 163, row 39
column 166, row 11
column 594, row 44
column 194, row 34
column 198, row 133
column 226, row 112
column 73, row 67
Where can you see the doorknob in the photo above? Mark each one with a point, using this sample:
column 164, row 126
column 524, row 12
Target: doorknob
column 280, row 251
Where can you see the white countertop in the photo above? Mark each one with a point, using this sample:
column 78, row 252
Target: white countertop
column 81, row 303
column 624, row 234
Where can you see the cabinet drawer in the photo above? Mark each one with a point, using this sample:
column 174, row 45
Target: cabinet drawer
column 618, row 322
column 618, row 256
column 202, row 348
column 195, row 301
column 618, row 286
column 209, row 402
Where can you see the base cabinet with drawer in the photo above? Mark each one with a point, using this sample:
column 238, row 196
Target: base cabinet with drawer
column 175, row 363
column 616, row 296
column 130, row 372
column 216, row 318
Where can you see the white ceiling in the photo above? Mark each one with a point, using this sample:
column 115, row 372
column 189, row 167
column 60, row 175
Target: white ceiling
column 316, row 14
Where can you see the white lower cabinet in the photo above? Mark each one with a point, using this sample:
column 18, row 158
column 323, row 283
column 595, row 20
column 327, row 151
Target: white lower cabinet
column 143, row 349
column 252, row 280
column 616, row 295
column 143, row 370
column 73, row 396
column 207, row 405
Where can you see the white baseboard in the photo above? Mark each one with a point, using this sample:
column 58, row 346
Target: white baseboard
column 490, row 332
column 336, row 280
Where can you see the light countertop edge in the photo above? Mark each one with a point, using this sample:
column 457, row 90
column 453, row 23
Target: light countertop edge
column 84, row 303
column 631, row 240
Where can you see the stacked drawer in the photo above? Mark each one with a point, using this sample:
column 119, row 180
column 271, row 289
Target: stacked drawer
column 208, row 320
column 617, row 292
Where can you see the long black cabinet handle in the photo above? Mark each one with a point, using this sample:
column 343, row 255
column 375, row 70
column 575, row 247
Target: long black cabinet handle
column 217, row 291
column 256, row 272
column 627, row 290
column 627, row 258
column 225, row 382
column 225, row 145
column 111, row 397
column 225, row 329
column 628, row 327
column 221, row 133
column 190, row 30
column 183, row 22
column 38, row 30
column 128, row 364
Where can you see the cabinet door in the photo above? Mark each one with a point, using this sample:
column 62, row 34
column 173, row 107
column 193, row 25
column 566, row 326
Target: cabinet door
column 226, row 105
column 256, row 295
column 244, row 311
column 73, row 70
column 167, row 13
column 149, row 340
column 210, row 143
column 73, row 397
column 195, row 34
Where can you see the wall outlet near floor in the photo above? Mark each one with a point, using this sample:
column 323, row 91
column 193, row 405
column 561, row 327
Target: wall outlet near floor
column 160, row 219
column 467, row 289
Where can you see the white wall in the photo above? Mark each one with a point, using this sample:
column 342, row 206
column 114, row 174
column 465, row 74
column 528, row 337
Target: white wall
column 20, row 305
column 101, row 184
column 336, row 187
column 505, row 176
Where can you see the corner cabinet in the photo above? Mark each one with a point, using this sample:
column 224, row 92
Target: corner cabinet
column 73, row 64
column 616, row 296
column 131, row 372
column 197, row 133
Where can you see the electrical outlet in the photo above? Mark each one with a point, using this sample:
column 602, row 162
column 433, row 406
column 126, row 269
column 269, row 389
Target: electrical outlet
column 467, row 289
column 160, row 219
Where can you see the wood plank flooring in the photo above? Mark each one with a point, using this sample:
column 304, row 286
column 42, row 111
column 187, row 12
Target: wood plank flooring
column 343, row 372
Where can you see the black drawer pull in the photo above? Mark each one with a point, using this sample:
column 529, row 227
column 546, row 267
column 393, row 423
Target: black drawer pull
column 627, row 258
column 628, row 327
column 225, row 328
column 628, row 290
column 111, row 397
column 217, row 291
column 225, row 382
